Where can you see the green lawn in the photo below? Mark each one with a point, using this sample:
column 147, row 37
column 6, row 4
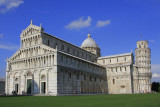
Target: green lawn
column 132, row 100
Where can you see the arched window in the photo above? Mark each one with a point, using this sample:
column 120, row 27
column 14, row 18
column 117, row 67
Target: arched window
column 113, row 81
column 16, row 79
column 70, row 75
column 84, row 77
column 67, row 49
column 48, row 42
column 90, row 78
column 29, row 74
column 43, row 77
column 125, row 58
column 44, row 61
column 77, row 53
column 62, row 47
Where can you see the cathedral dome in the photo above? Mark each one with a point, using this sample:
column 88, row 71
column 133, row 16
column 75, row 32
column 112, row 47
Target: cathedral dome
column 89, row 42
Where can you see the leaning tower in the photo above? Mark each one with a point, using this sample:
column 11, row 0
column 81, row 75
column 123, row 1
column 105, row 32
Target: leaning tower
column 143, row 62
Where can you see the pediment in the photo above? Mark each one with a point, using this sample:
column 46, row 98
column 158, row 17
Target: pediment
column 30, row 30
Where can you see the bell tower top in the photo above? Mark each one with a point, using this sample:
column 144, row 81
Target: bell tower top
column 142, row 44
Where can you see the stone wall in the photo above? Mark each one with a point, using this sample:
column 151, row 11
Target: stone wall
column 119, row 69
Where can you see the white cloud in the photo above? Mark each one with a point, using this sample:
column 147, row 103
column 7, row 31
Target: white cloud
column 80, row 23
column 155, row 68
column 1, row 35
column 6, row 5
column 103, row 23
column 9, row 47
column 156, row 75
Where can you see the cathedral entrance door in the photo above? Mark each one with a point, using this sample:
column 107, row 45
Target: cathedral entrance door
column 29, row 86
column 43, row 87
column 16, row 88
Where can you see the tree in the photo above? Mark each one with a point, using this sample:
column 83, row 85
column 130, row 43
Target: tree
column 155, row 86
column 159, row 88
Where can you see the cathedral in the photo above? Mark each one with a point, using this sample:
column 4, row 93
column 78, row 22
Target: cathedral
column 47, row 65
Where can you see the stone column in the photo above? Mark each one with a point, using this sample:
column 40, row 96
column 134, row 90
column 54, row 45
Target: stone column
column 39, row 83
column 6, row 86
column 32, row 91
column 47, row 84
column 25, row 84
column 19, row 87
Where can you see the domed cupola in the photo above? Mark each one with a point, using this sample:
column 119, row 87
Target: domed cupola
column 89, row 42
column 90, row 45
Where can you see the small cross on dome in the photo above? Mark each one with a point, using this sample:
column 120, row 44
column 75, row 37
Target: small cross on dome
column 31, row 21
column 89, row 35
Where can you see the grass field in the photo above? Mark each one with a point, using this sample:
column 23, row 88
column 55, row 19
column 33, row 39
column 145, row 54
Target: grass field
column 132, row 100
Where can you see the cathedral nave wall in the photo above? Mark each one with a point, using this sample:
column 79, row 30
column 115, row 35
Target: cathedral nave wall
column 80, row 76
column 66, row 47
column 71, row 81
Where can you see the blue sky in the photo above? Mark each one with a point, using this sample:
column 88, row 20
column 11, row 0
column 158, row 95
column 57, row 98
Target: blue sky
column 115, row 25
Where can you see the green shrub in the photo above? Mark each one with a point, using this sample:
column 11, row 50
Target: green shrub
column 159, row 89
